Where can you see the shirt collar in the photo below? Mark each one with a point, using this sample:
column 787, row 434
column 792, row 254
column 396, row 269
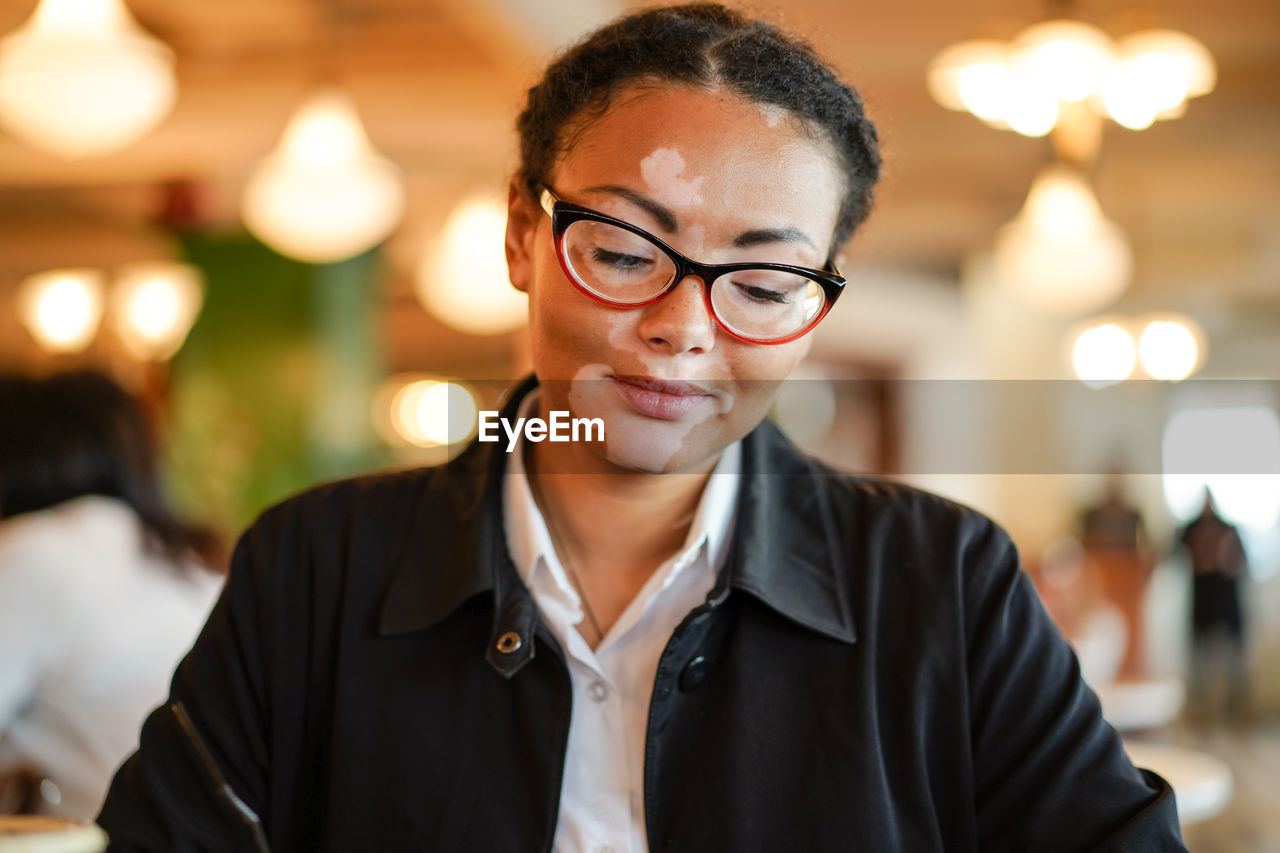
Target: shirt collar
column 785, row 550
column 530, row 542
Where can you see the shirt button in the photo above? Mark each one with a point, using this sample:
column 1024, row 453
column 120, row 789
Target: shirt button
column 599, row 692
column 605, row 848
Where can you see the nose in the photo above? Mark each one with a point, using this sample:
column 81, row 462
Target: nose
column 681, row 321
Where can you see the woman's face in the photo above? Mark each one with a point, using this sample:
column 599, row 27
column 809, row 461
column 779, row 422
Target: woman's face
column 719, row 179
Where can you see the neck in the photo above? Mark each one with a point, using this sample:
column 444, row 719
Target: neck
column 613, row 520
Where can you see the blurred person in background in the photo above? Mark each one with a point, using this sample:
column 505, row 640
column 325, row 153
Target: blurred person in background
column 1218, row 564
column 1118, row 561
column 1093, row 625
column 102, row 587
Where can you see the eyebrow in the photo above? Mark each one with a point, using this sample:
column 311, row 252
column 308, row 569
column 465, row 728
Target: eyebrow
column 772, row 235
column 664, row 217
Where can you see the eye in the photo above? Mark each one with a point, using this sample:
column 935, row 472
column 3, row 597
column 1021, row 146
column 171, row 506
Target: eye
column 768, row 286
column 766, row 295
column 619, row 260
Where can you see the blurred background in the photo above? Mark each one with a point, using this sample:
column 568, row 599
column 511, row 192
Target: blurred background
column 278, row 223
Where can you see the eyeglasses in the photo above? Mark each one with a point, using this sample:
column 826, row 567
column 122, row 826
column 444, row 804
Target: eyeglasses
column 626, row 267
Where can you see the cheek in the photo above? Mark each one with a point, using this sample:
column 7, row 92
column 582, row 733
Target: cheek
column 767, row 363
column 759, row 372
column 570, row 331
column 752, row 403
column 561, row 319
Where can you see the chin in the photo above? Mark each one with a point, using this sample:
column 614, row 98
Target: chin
column 642, row 444
column 638, row 442
column 649, row 457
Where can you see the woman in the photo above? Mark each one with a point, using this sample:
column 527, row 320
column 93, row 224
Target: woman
column 102, row 589
column 687, row 635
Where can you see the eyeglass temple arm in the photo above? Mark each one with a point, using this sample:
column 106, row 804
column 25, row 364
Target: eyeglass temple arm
column 547, row 200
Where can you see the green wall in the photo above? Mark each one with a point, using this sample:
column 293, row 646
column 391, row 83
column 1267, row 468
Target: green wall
column 272, row 390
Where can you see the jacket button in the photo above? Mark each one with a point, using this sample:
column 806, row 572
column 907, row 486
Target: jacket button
column 509, row 642
column 694, row 674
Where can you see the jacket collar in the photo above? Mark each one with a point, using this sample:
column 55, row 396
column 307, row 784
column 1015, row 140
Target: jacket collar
column 785, row 550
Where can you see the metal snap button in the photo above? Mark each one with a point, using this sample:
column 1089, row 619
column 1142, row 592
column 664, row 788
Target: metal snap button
column 509, row 642
column 695, row 673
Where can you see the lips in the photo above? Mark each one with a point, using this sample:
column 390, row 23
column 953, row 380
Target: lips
column 665, row 386
column 665, row 399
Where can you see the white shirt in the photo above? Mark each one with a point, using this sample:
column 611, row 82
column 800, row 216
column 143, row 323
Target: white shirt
column 91, row 628
column 602, row 796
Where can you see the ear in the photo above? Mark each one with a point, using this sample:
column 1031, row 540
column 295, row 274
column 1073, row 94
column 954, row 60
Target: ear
column 523, row 215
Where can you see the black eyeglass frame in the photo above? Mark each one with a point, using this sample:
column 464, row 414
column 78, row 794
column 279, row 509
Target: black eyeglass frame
column 563, row 214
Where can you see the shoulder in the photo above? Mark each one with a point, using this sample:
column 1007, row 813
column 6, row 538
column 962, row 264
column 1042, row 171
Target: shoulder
column 911, row 551
column 332, row 547
column 890, row 508
column 60, row 536
column 27, row 536
column 346, row 507
column 327, row 528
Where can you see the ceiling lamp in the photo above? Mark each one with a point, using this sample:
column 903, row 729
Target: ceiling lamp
column 324, row 194
column 971, row 76
column 1060, row 253
column 81, row 78
column 1103, row 355
column 62, row 308
column 1171, row 347
column 1021, row 85
column 1066, row 60
column 153, row 307
column 1177, row 54
column 424, row 412
column 462, row 277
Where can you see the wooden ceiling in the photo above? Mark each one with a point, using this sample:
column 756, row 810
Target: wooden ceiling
column 438, row 82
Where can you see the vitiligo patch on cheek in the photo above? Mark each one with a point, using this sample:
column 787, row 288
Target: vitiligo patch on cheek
column 663, row 171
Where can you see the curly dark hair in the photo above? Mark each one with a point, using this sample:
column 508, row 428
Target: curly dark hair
column 80, row 433
column 701, row 45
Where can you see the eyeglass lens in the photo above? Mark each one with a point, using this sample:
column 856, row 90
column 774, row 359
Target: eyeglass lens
column 622, row 266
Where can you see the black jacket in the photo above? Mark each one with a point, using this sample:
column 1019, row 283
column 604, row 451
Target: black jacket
column 872, row 672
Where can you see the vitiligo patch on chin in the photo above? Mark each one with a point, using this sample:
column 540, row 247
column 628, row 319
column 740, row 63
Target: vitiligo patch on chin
column 559, row 427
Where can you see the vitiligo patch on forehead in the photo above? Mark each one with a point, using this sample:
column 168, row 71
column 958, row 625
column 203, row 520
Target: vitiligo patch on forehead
column 773, row 115
column 663, row 171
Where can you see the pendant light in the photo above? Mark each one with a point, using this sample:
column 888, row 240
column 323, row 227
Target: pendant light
column 62, row 308
column 1023, row 85
column 153, row 306
column 1060, row 254
column 324, row 194
column 80, row 78
column 462, row 275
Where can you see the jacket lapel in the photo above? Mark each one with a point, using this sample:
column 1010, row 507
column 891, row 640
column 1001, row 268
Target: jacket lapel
column 786, row 549
column 457, row 546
